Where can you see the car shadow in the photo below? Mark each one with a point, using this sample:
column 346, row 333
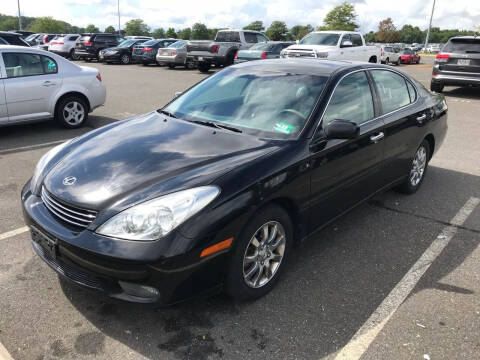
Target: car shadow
column 471, row 93
column 15, row 137
column 332, row 284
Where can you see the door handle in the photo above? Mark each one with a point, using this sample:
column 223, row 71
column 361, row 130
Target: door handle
column 377, row 138
column 48, row 83
column 422, row 117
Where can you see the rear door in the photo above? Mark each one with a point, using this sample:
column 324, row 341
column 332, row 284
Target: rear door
column 3, row 101
column 31, row 81
column 463, row 59
column 345, row 172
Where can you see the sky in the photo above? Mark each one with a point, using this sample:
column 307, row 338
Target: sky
column 461, row 14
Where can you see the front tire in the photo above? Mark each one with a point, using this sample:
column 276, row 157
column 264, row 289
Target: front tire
column 171, row 66
column 259, row 255
column 125, row 59
column 204, row 66
column 71, row 112
column 417, row 169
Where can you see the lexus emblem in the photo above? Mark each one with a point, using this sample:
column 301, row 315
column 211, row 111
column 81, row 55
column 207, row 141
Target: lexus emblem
column 69, row 180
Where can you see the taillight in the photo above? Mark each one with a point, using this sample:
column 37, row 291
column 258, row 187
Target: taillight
column 214, row 49
column 264, row 55
column 45, row 39
column 382, row 53
column 59, row 43
column 236, row 54
column 187, row 48
column 174, row 52
column 87, row 43
column 146, row 49
column 442, row 57
column 99, row 77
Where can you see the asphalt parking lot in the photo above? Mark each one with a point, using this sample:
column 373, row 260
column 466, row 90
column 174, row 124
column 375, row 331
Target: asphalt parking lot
column 396, row 278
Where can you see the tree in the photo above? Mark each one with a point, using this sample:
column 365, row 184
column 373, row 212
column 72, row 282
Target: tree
column 136, row 27
column 297, row 32
column 342, row 17
column 109, row 29
column 199, row 32
column 171, row 33
column 277, row 31
column 48, row 25
column 387, row 32
column 409, row 34
column 255, row 25
column 370, row 37
column 158, row 33
column 92, row 29
column 185, row 33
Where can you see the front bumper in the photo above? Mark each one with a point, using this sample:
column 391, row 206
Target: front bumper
column 125, row 272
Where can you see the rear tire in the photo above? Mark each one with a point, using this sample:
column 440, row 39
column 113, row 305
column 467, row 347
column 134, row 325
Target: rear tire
column 204, row 66
column 417, row 170
column 72, row 55
column 71, row 112
column 387, row 60
column 256, row 263
column 436, row 87
column 171, row 66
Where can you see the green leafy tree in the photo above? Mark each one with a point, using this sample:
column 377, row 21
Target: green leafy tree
column 185, row 33
column 171, row 33
column 387, row 32
column 341, row 17
column 200, row 32
column 136, row 27
column 92, row 29
column 109, row 29
column 48, row 25
column 411, row 34
column 255, row 25
column 297, row 32
column 370, row 37
column 277, row 31
column 158, row 33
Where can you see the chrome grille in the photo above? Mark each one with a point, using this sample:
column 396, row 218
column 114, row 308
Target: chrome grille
column 68, row 213
column 294, row 54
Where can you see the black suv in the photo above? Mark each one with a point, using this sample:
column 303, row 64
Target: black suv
column 458, row 64
column 90, row 45
column 11, row 38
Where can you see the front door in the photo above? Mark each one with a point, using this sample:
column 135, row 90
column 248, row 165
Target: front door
column 31, row 82
column 345, row 172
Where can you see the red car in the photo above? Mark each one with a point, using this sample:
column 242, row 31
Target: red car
column 409, row 57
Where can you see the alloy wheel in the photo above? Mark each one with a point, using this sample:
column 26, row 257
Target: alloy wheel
column 418, row 166
column 264, row 254
column 73, row 113
column 125, row 59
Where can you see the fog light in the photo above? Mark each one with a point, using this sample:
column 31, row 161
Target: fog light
column 139, row 291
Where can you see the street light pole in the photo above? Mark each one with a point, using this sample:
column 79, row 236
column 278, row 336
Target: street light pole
column 430, row 25
column 19, row 16
column 118, row 6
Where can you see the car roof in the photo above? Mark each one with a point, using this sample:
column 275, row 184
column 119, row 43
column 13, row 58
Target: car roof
column 10, row 33
column 335, row 32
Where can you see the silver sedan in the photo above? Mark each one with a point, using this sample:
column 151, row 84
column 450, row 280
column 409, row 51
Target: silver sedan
column 174, row 55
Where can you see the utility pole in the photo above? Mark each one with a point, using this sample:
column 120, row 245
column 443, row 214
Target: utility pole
column 430, row 25
column 19, row 16
column 118, row 6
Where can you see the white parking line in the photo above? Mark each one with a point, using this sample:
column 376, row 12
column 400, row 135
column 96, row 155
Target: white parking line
column 4, row 355
column 32, row 147
column 13, row 232
column 375, row 323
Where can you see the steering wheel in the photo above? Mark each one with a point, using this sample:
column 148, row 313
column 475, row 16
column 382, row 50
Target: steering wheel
column 295, row 112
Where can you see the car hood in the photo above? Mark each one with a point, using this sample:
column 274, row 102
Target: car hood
column 312, row 47
column 146, row 157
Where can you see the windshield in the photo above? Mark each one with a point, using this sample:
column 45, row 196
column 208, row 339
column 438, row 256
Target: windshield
column 127, row 43
column 408, row 52
column 178, row 44
column 463, row 46
column 263, row 103
column 320, row 39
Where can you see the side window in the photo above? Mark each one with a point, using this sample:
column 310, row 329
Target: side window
column 100, row 39
column 356, row 40
column 235, row 36
column 22, row 64
column 392, row 90
column 411, row 91
column 250, row 38
column 352, row 100
column 221, row 36
column 3, row 41
column 346, row 38
column 49, row 65
column 261, row 38
column 73, row 38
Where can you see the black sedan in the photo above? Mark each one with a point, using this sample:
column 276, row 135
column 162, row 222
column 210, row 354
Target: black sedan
column 211, row 191
column 120, row 54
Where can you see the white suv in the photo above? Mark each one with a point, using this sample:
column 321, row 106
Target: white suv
column 390, row 55
column 64, row 45
column 37, row 85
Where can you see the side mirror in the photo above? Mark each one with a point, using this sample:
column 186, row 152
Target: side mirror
column 177, row 94
column 342, row 129
column 346, row 44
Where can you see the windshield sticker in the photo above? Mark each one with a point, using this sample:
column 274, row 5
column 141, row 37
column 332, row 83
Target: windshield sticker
column 284, row 127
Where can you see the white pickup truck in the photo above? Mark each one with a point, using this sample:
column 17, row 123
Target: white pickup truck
column 333, row 45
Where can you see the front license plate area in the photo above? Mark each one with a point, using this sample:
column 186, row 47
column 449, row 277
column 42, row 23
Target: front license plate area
column 47, row 243
column 463, row 62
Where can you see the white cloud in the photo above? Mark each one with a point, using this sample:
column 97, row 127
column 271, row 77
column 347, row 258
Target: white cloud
column 228, row 13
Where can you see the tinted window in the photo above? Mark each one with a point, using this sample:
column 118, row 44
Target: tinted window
column 463, row 46
column 73, row 38
column 221, row 36
column 250, row 37
column 21, row 64
column 392, row 89
column 356, row 40
column 228, row 36
column 101, row 38
column 150, row 42
column 352, row 100
column 13, row 40
column 412, row 92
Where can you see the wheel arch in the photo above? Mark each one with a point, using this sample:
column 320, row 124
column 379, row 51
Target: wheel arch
column 72, row 93
column 373, row 59
column 431, row 142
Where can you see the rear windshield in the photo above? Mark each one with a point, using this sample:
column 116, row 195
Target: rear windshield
column 85, row 38
column 262, row 46
column 463, row 46
column 178, row 44
column 408, row 52
column 150, row 42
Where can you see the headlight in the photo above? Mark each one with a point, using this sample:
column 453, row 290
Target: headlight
column 44, row 161
column 156, row 218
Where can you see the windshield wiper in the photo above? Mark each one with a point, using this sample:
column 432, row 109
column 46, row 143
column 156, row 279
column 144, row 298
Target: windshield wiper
column 168, row 113
column 216, row 125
